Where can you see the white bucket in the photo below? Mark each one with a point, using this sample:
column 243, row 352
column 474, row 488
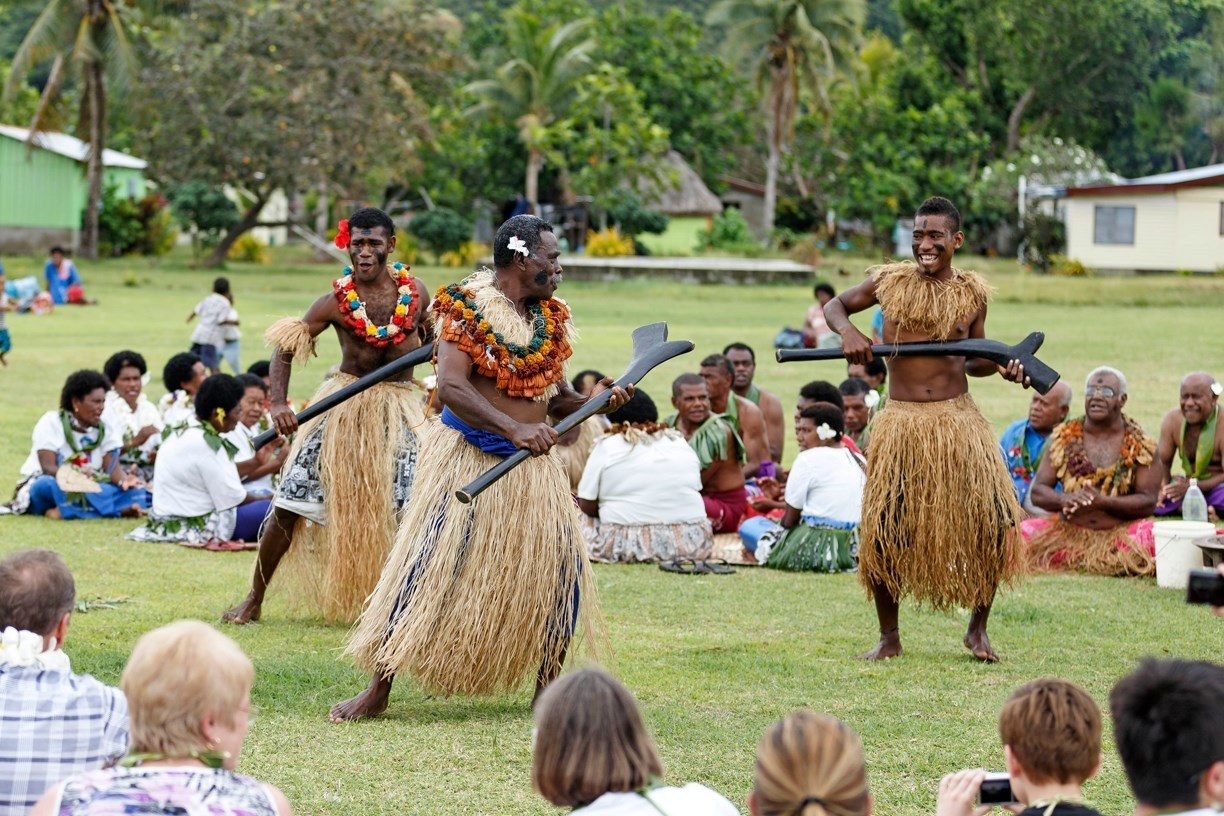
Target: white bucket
column 1176, row 552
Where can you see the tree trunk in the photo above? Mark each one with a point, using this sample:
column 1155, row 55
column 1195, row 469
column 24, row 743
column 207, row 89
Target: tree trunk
column 95, row 94
column 249, row 219
column 1179, row 157
column 535, row 162
column 771, row 186
column 1017, row 115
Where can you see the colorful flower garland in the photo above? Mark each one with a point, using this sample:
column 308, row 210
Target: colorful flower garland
column 520, row 371
column 1075, row 469
column 353, row 310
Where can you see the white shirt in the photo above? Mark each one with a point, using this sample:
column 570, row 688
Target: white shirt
column 691, row 800
column 49, row 435
column 827, row 482
column 231, row 331
column 242, row 436
column 211, row 311
column 127, row 421
column 191, row 479
column 176, row 408
column 657, row 480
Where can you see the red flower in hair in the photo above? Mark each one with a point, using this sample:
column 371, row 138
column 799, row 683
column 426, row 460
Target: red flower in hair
column 342, row 234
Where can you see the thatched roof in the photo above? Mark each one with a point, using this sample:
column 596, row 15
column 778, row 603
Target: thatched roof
column 688, row 195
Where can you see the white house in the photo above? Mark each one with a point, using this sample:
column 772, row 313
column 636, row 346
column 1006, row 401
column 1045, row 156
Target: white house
column 1167, row 222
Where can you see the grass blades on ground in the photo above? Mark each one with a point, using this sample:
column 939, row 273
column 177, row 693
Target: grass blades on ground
column 713, row 659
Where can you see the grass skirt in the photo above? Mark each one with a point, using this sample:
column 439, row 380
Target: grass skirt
column 817, row 547
column 474, row 598
column 939, row 510
column 1054, row 544
column 332, row 568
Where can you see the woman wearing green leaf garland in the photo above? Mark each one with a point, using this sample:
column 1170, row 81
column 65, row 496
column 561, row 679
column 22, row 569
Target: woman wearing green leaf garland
column 199, row 500
column 75, row 436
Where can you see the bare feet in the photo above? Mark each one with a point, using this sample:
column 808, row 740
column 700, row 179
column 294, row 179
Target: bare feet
column 134, row 511
column 245, row 612
column 889, row 646
column 369, row 703
column 53, row 513
column 979, row 644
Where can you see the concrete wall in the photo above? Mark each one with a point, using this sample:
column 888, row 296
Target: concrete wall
column 752, row 207
column 1174, row 230
column 36, row 240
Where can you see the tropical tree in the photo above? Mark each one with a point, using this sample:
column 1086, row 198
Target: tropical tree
column 538, row 84
column 85, row 36
column 795, row 45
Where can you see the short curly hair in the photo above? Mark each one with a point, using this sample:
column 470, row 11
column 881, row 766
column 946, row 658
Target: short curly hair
column 179, row 369
column 371, row 217
column 526, row 228
column 121, row 360
column 81, row 384
column 222, row 391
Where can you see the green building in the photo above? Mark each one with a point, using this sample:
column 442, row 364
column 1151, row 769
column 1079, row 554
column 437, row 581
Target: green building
column 43, row 190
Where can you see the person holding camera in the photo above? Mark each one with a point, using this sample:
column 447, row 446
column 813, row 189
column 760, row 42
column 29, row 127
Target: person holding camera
column 1051, row 732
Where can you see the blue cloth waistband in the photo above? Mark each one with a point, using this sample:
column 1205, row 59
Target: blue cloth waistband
column 487, row 441
column 820, row 521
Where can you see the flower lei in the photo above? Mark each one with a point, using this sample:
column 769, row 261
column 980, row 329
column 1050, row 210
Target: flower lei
column 1075, row 469
column 520, row 371
column 20, row 647
column 80, row 453
column 353, row 310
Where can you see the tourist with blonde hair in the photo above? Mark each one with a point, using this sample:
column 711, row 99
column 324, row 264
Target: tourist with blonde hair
column 592, row 753
column 188, row 690
column 810, row 765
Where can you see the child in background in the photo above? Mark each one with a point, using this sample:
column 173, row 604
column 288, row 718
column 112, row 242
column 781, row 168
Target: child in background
column 233, row 337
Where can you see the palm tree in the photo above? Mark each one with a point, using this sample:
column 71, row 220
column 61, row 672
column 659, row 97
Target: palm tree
column 796, row 45
column 538, row 84
column 84, row 34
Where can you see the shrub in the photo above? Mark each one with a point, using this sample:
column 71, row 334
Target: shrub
column 1069, row 267
column 728, row 231
column 1044, row 238
column 203, row 210
column 440, row 230
column 632, row 217
column 608, row 243
column 468, row 253
column 160, row 233
column 406, row 248
column 248, row 249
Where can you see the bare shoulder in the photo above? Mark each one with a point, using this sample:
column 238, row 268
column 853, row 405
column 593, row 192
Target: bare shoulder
column 283, row 808
column 1171, row 422
column 324, row 308
column 769, row 400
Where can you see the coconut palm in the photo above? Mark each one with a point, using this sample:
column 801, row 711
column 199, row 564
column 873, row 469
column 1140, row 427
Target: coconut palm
column 795, row 45
column 538, row 84
column 84, row 35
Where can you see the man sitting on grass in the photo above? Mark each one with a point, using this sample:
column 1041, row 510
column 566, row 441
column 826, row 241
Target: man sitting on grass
column 719, row 452
column 1193, row 430
column 743, row 361
column 744, row 417
column 1051, row 732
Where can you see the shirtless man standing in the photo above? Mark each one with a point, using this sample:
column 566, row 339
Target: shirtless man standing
column 350, row 471
column 939, row 511
column 1194, row 430
column 719, row 451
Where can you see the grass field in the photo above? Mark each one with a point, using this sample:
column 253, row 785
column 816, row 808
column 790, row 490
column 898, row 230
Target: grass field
column 713, row 659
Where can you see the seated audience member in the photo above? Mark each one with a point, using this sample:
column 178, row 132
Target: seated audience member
column 1169, row 729
column 189, row 688
column 858, row 402
column 1105, row 462
column 743, row 361
column 770, row 504
column 643, row 484
column 719, row 450
column 1023, row 442
column 823, row 391
column 56, row 723
column 6, row 305
column 130, row 413
column 198, row 497
column 75, row 439
column 874, row 374
column 182, row 376
column 591, row 753
column 1194, row 431
column 809, row 765
column 255, row 467
column 63, row 280
column 816, row 331
column 824, row 502
column 574, row 447
column 584, row 382
column 263, row 370
column 744, row 417
column 1051, row 732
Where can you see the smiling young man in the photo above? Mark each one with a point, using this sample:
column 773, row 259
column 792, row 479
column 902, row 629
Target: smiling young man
column 1110, row 480
column 939, row 512
column 1194, row 430
column 719, row 449
column 350, row 471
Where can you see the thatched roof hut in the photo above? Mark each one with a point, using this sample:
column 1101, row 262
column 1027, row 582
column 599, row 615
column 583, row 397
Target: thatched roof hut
column 687, row 196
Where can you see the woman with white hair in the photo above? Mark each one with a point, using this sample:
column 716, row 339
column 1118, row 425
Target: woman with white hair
column 188, row 691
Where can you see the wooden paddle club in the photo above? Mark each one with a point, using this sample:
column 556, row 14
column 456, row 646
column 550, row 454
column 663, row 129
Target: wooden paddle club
column 1040, row 375
column 650, row 348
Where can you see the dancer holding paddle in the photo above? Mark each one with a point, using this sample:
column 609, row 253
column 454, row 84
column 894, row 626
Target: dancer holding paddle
column 939, row 511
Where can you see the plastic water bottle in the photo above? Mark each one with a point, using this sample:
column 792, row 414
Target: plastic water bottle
column 1194, row 506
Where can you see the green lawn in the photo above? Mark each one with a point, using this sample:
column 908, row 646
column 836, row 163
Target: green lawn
column 713, row 659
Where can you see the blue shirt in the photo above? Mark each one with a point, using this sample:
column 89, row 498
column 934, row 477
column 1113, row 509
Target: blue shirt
column 57, row 286
column 1017, row 440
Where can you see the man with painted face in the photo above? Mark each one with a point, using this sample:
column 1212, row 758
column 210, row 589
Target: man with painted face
column 1110, row 480
column 350, row 471
column 475, row 597
column 743, row 361
column 939, row 512
column 1194, row 431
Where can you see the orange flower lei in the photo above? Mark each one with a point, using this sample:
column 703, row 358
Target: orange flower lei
column 520, row 371
column 1075, row 469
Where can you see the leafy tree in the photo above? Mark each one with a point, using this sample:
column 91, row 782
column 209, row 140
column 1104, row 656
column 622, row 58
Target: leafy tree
column 632, row 216
column 205, row 211
column 1163, row 117
column 21, row 108
column 441, row 229
column 794, row 45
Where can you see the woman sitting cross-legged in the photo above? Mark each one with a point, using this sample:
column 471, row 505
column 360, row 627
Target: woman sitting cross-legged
column 130, row 412
column 74, row 439
column 809, row 765
column 188, row 693
column 198, row 497
column 824, row 501
column 641, row 490
column 591, row 753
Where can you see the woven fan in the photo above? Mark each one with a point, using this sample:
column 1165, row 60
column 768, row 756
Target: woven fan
column 72, row 480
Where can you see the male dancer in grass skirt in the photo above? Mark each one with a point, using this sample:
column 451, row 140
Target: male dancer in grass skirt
column 939, row 510
column 351, row 470
column 473, row 598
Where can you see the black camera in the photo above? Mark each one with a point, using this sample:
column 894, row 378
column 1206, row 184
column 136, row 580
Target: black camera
column 1205, row 587
column 996, row 790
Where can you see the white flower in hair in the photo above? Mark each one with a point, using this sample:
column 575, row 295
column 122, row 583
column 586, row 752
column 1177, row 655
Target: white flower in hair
column 517, row 244
column 871, row 399
column 1217, row 389
column 825, row 432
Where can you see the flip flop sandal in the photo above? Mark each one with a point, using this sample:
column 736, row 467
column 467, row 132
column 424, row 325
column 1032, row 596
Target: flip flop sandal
column 716, row 566
column 683, row 566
